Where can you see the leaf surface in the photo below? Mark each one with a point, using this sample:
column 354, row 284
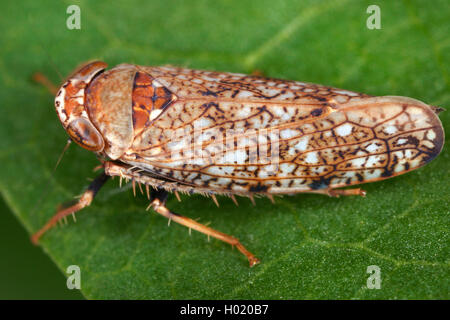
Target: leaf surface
column 311, row 246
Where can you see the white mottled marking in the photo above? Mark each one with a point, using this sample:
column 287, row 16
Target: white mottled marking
column 415, row 111
column 348, row 93
column 344, row 130
column 203, row 137
column 341, row 99
column 372, row 161
column 177, row 145
column 287, row 167
column 154, row 114
column 312, row 157
column 428, row 144
column 271, row 92
column 244, row 94
column 390, row 129
column 176, row 163
column 286, row 116
column 399, row 154
column 302, row 144
column 209, row 79
column 238, row 156
column 223, row 181
column 349, row 174
column 288, row 133
column 268, row 171
column 197, row 161
column 286, row 95
column 244, row 112
column 202, row 123
column 431, row 135
column 319, row 170
column 408, row 153
column 376, row 174
column 373, row 147
column 358, row 162
column 227, row 170
column 278, row 111
column 402, row 141
column 414, row 163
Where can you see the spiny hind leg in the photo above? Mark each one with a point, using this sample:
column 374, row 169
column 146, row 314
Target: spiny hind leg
column 158, row 199
column 84, row 201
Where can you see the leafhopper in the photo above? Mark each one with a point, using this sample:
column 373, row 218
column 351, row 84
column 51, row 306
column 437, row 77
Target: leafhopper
column 171, row 129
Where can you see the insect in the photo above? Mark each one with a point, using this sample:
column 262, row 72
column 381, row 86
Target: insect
column 179, row 130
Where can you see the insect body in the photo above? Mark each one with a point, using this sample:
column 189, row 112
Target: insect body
column 174, row 129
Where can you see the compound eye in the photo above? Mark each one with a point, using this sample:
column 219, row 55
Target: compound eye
column 86, row 135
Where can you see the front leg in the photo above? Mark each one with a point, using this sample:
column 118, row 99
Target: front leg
column 158, row 199
column 84, row 201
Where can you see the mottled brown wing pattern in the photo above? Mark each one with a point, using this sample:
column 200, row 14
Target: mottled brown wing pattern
column 325, row 137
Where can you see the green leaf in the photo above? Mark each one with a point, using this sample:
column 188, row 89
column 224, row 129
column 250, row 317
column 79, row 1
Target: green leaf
column 311, row 246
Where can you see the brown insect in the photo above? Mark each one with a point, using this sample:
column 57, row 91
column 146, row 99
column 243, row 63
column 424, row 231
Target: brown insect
column 174, row 129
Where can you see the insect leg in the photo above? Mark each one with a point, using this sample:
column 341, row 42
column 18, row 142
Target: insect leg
column 347, row 192
column 257, row 73
column 158, row 200
column 84, row 201
column 41, row 79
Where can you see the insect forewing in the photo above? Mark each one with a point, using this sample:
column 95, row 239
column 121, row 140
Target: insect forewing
column 233, row 133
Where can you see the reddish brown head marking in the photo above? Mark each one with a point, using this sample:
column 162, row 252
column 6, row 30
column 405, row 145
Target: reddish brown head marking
column 71, row 110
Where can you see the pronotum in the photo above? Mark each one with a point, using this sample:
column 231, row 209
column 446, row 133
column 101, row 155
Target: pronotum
column 180, row 130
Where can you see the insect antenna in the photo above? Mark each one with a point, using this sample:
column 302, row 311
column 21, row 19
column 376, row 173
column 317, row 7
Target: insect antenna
column 38, row 77
column 43, row 80
column 69, row 141
column 46, row 190
column 51, row 62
